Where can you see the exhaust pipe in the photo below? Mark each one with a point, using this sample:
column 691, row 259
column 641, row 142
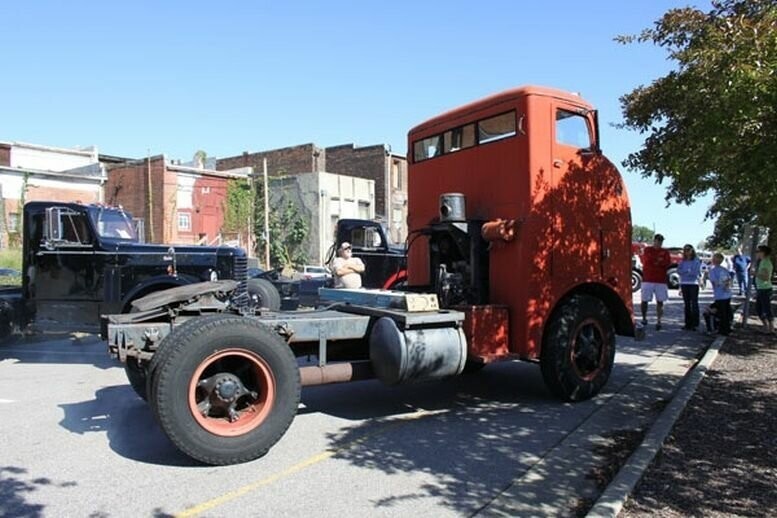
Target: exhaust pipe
column 336, row 373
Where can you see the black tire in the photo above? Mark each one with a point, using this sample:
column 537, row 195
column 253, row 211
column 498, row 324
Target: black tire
column 267, row 293
column 136, row 374
column 581, row 322
column 471, row 367
column 636, row 281
column 673, row 278
column 190, row 349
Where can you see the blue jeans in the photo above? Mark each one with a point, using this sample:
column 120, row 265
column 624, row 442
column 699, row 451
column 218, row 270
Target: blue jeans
column 742, row 282
column 691, row 300
column 763, row 304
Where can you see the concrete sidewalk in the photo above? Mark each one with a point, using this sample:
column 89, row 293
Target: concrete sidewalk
column 571, row 476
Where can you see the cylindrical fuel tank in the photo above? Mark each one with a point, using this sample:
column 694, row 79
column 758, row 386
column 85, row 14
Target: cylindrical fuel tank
column 453, row 208
column 417, row 354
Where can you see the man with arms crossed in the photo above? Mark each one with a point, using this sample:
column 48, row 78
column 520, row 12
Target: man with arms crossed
column 347, row 269
column 655, row 261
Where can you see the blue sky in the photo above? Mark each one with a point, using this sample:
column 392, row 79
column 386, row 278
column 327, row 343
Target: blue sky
column 226, row 77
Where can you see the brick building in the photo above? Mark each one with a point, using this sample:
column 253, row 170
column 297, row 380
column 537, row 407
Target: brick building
column 184, row 205
column 376, row 163
column 44, row 173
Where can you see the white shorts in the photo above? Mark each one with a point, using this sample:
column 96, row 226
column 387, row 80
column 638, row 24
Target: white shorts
column 658, row 289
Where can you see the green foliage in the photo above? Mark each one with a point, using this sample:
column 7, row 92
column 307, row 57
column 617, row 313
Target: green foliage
column 711, row 124
column 238, row 207
column 641, row 234
column 11, row 258
column 288, row 232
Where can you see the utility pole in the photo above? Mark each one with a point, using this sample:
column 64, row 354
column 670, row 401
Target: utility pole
column 150, row 197
column 266, row 217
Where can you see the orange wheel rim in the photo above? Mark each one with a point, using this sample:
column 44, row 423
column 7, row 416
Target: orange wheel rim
column 231, row 392
column 588, row 349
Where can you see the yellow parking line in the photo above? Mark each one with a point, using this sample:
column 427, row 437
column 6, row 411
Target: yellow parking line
column 310, row 461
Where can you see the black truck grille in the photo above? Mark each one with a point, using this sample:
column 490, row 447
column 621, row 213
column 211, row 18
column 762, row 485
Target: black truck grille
column 240, row 272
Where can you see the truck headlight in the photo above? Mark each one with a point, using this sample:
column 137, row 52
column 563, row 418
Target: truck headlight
column 214, row 276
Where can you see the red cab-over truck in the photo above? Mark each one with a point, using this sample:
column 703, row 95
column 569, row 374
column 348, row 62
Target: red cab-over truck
column 519, row 248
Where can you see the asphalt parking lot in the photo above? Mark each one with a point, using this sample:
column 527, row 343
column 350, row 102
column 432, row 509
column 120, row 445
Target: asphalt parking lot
column 77, row 441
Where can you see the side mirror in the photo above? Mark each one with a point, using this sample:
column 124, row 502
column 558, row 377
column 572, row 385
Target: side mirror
column 52, row 233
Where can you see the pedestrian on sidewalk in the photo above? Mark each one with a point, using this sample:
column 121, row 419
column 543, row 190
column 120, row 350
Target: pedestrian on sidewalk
column 720, row 279
column 689, row 270
column 711, row 318
column 655, row 261
column 705, row 274
column 763, row 287
column 741, row 264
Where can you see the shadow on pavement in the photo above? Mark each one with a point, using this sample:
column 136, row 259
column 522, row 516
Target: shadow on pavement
column 129, row 424
column 16, row 485
column 60, row 349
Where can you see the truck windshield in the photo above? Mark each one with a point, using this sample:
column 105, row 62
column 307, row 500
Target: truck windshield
column 114, row 224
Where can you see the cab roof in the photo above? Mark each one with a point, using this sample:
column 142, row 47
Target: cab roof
column 451, row 116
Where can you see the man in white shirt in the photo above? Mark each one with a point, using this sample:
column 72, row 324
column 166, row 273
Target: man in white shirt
column 347, row 269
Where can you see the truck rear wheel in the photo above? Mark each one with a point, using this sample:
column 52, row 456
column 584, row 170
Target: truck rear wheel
column 225, row 389
column 266, row 293
column 578, row 349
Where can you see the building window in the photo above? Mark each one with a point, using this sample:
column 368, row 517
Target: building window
column 13, row 222
column 396, row 176
column 205, row 190
column 184, row 221
column 333, row 219
column 364, row 210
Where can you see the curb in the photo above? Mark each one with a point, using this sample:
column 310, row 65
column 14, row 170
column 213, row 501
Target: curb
column 610, row 503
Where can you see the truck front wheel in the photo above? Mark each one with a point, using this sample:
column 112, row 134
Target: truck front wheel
column 226, row 389
column 136, row 374
column 267, row 294
column 578, row 349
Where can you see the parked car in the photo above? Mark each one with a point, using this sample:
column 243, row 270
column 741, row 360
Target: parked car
column 288, row 289
column 293, row 292
column 312, row 272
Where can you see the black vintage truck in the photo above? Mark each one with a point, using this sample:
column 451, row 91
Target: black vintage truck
column 384, row 261
column 82, row 261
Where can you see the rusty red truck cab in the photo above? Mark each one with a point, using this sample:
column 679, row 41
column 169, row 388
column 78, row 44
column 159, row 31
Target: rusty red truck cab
column 552, row 210
column 519, row 247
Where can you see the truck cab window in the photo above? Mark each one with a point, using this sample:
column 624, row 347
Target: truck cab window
column 427, row 148
column 572, row 130
column 496, row 128
column 114, row 224
column 71, row 228
column 459, row 138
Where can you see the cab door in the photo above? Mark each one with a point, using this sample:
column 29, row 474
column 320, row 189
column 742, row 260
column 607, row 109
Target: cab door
column 576, row 197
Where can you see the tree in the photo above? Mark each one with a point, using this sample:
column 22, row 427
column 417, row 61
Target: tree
column 711, row 124
column 288, row 231
column 238, row 207
column 641, row 234
column 200, row 157
column 288, row 234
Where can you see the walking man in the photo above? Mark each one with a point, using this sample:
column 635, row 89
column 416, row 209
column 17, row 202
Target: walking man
column 741, row 264
column 655, row 261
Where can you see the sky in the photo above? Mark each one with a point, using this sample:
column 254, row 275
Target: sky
column 173, row 77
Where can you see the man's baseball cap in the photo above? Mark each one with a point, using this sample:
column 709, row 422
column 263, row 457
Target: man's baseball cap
column 345, row 245
column 658, row 237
